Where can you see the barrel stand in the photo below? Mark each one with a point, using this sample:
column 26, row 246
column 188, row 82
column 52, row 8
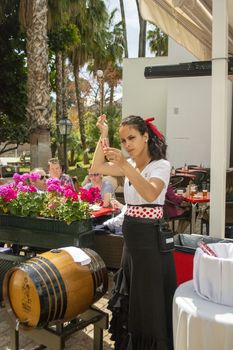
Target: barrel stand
column 53, row 337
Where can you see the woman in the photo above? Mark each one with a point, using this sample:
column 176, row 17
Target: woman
column 145, row 284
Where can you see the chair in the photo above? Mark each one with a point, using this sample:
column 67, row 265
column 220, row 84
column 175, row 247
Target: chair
column 228, row 218
column 200, row 178
column 173, row 220
column 190, row 166
column 181, row 181
column 229, row 213
column 177, row 181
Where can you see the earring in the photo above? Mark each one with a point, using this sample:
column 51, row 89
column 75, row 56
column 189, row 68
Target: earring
column 146, row 140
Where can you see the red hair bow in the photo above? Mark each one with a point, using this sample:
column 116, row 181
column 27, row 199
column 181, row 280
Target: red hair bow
column 153, row 127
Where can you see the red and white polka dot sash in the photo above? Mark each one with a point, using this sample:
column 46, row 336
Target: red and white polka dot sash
column 138, row 211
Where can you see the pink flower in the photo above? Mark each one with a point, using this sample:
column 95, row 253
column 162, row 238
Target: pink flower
column 16, row 178
column 91, row 195
column 68, row 192
column 27, row 188
column 25, row 177
column 8, row 192
column 53, row 185
column 34, row 176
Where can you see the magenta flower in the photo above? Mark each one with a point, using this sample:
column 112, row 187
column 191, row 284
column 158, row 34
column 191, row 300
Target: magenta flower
column 34, row 176
column 16, row 178
column 68, row 192
column 7, row 192
column 25, row 177
column 91, row 195
column 27, row 188
column 53, row 185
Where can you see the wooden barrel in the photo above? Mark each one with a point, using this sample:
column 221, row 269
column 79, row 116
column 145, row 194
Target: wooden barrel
column 52, row 286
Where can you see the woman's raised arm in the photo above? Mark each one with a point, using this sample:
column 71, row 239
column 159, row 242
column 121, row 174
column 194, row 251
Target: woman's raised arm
column 99, row 163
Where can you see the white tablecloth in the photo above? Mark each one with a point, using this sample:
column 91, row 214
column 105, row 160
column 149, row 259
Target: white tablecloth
column 199, row 324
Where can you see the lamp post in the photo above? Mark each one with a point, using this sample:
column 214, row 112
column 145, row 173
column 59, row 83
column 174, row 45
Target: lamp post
column 65, row 127
column 100, row 76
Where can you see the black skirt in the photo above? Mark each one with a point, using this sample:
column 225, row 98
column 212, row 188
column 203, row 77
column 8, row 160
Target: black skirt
column 141, row 304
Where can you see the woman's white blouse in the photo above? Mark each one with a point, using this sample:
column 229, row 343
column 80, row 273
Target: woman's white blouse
column 156, row 169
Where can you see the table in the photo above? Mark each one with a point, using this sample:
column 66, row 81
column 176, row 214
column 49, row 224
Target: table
column 185, row 174
column 104, row 211
column 199, row 324
column 192, row 170
column 195, row 200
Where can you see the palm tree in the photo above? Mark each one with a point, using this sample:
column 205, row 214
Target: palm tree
column 124, row 28
column 34, row 17
column 110, row 60
column 142, row 34
column 91, row 23
column 158, row 41
column 61, row 39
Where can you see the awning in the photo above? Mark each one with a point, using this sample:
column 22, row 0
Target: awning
column 188, row 22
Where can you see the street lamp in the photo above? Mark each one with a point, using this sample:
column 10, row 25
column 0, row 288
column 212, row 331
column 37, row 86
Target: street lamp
column 65, row 127
column 100, row 76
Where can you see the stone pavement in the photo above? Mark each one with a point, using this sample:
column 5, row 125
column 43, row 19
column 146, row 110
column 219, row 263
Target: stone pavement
column 80, row 340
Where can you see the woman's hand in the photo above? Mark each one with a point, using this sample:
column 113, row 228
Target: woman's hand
column 102, row 125
column 115, row 156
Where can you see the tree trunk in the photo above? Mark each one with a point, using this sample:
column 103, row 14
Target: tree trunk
column 64, row 85
column 80, row 115
column 142, row 34
column 124, row 28
column 38, row 107
column 111, row 97
column 59, row 101
column 40, row 148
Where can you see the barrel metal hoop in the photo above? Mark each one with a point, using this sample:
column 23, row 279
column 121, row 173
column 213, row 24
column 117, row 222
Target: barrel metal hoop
column 43, row 292
column 99, row 273
column 53, row 285
column 62, row 286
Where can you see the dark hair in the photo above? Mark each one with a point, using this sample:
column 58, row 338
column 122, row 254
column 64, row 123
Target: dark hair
column 157, row 147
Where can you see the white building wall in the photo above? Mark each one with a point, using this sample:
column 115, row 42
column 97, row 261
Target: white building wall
column 144, row 97
column 189, row 114
column 188, row 120
column 181, row 106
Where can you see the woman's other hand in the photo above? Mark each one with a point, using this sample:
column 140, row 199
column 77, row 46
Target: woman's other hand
column 116, row 204
column 115, row 156
column 102, row 125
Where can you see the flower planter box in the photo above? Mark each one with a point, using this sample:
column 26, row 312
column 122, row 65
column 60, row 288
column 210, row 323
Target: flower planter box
column 45, row 233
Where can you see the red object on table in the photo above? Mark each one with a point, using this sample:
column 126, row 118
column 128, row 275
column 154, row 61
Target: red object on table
column 197, row 199
column 103, row 211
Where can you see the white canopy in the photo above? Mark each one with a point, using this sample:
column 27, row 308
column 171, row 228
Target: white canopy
column 188, row 22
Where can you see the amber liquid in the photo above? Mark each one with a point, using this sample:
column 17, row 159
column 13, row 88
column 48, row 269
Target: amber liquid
column 204, row 194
